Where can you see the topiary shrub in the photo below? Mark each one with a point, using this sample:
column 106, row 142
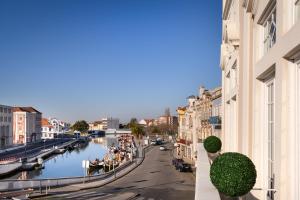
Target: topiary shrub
column 212, row 144
column 233, row 174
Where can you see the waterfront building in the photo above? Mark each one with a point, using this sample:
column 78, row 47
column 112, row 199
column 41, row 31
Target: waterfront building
column 104, row 124
column 216, row 111
column 27, row 125
column 146, row 122
column 186, row 129
column 203, row 109
column 260, row 55
column 48, row 131
column 198, row 120
column 6, row 130
column 59, row 127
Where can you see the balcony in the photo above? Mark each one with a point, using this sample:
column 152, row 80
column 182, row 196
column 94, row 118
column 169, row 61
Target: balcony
column 214, row 120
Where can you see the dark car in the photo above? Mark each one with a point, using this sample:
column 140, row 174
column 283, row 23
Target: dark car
column 176, row 162
column 184, row 167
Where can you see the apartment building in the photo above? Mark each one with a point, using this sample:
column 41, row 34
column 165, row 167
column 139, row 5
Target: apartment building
column 48, row 131
column 27, row 125
column 260, row 56
column 197, row 121
column 6, row 134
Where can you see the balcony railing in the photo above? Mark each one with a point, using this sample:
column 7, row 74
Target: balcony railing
column 215, row 120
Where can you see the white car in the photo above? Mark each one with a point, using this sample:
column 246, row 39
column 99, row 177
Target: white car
column 153, row 143
column 162, row 148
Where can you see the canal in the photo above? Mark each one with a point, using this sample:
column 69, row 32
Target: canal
column 70, row 163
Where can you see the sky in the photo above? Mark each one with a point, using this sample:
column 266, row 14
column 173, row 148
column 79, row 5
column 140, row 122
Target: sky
column 85, row 59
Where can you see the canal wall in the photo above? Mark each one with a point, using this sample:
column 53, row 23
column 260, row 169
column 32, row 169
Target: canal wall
column 8, row 168
column 10, row 185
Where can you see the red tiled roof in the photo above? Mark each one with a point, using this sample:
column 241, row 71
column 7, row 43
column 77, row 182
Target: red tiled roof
column 45, row 122
column 25, row 109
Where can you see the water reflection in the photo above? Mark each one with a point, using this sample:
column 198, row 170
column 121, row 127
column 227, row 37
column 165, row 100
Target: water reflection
column 70, row 163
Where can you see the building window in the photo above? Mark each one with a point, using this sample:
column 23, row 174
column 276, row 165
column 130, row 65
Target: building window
column 271, row 139
column 270, row 31
column 1, row 109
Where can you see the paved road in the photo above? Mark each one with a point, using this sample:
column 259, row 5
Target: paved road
column 154, row 179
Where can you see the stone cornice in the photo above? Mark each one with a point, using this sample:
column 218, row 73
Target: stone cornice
column 226, row 9
column 266, row 12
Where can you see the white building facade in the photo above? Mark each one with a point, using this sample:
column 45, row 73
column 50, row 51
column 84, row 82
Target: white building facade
column 27, row 125
column 260, row 56
column 6, row 130
column 48, row 131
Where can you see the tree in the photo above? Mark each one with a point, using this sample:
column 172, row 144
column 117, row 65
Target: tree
column 137, row 130
column 81, row 126
column 133, row 122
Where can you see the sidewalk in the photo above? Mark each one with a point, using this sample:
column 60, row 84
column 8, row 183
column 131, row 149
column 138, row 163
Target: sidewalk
column 204, row 188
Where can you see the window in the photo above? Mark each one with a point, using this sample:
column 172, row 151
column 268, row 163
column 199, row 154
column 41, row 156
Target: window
column 1, row 119
column 9, row 119
column 297, row 10
column 271, row 139
column 270, row 31
column 1, row 109
column 5, row 110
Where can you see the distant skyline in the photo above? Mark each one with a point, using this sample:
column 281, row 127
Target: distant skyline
column 78, row 59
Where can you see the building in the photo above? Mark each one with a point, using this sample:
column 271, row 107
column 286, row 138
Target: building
column 59, row 127
column 104, row 124
column 6, row 130
column 186, row 137
column 48, row 131
column 216, row 112
column 27, row 125
column 96, row 126
column 198, row 120
column 260, row 55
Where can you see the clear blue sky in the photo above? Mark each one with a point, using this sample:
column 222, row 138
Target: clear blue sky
column 123, row 58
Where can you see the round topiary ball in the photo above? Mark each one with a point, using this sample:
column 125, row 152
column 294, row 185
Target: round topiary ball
column 212, row 144
column 233, row 174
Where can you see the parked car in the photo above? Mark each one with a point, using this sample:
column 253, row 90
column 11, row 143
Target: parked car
column 159, row 142
column 153, row 142
column 184, row 167
column 162, row 148
column 176, row 162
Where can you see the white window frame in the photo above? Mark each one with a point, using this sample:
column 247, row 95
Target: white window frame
column 267, row 39
column 270, row 190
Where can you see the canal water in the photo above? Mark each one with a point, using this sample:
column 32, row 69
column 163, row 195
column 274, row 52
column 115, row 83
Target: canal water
column 70, row 163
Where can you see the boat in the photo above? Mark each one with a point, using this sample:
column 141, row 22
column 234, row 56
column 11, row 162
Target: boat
column 96, row 164
column 60, row 151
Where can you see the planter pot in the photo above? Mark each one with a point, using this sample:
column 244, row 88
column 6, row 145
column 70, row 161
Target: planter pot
column 212, row 156
column 224, row 197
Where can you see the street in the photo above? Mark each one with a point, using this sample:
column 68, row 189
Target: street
column 154, row 179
